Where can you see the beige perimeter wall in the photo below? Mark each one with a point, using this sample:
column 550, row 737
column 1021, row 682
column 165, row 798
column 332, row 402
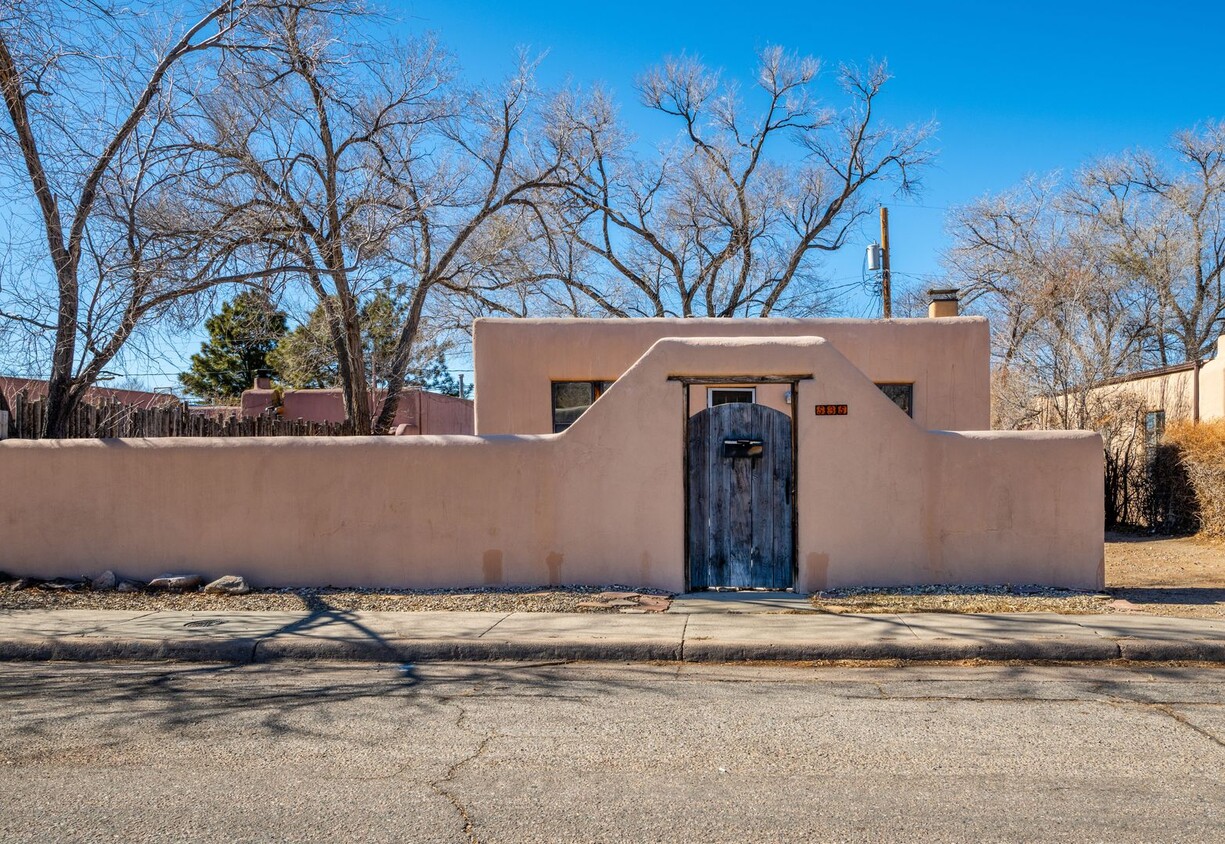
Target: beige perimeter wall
column 880, row 500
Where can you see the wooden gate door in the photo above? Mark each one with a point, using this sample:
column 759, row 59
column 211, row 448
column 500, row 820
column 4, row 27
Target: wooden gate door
column 740, row 498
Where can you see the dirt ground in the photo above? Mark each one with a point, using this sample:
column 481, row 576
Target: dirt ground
column 1182, row 576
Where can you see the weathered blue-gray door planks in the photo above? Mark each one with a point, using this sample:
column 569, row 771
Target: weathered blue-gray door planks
column 740, row 507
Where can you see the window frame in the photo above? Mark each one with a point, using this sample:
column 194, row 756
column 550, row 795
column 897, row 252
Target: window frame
column 1155, row 432
column 909, row 409
column 598, row 388
column 710, row 394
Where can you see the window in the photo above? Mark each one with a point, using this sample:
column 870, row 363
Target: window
column 716, row 396
column 571, row 398
column 900, row 394
column 1154, row 427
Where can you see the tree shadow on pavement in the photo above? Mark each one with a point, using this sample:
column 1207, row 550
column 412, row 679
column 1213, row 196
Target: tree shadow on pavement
column 173, row 697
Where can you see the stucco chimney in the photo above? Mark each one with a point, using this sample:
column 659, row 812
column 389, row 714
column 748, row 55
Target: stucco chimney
column 943, row 303
column 263, row 382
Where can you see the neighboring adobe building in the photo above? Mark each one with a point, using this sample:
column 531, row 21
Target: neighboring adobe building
column 677, row 454
column 420, row 411
column 35, row 389
column 1193, row 391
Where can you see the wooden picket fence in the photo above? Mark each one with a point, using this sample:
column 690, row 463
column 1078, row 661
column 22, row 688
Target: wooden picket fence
column 113, row 419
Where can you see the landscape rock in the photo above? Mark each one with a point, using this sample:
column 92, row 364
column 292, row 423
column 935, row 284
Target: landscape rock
column 231, row 584
column 128, row 586
column 104, row 582
column 24, row 583
column 177, row 582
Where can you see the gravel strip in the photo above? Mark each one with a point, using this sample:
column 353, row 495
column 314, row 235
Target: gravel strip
column 500, row 599
column 963, row 599
column 1166, row 576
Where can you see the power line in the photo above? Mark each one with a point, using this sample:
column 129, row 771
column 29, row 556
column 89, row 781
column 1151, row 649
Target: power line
column 893, row 203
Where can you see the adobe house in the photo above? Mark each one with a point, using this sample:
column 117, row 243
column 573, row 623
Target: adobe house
column 678, row 454
column 845, row 470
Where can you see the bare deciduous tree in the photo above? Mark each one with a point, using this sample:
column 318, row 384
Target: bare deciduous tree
column 1063, row 319
column 1164, row 222
column 1114, row 270
column 721, row 224
column 89, row 90
column 359, row 167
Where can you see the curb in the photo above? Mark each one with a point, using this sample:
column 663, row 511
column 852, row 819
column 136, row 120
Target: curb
column 305, row 649
column 938, row 650
column 460, row 650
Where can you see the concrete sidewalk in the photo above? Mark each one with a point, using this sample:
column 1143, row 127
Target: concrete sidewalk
column 244, row 637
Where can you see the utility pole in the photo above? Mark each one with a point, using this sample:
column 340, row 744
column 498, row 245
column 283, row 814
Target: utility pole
column 886, row 293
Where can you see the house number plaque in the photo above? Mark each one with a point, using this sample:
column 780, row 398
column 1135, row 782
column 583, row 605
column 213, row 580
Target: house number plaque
column 831, row 410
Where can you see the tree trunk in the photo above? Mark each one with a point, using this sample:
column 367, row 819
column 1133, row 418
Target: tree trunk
column 358, row 393
column 62, row 399
column 400, row 359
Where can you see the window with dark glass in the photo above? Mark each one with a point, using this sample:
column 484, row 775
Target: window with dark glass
column 1154, row 427
column 900, row 394
column 571, row 398
column 716, row 396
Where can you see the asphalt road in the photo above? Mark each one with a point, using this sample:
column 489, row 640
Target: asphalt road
column 689, row 753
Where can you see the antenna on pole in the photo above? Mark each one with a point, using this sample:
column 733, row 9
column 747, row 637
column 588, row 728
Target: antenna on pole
column 886, row 292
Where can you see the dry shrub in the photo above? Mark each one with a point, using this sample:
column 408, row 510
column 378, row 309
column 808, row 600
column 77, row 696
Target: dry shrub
column 1203, row 455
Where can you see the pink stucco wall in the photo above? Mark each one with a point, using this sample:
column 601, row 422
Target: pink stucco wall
column 880, row 499
column 948, row 361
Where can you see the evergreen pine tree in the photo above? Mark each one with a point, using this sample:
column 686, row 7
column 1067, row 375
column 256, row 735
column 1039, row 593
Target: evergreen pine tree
column 437, row 378
column 306, row 358
column 241, row 337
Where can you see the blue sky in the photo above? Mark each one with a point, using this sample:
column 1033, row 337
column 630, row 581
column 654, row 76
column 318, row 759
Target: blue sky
column 1017, row 88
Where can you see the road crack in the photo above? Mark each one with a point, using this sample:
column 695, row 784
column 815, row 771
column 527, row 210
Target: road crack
column 1170, row 712
column 441, row 786
column 1166, row 709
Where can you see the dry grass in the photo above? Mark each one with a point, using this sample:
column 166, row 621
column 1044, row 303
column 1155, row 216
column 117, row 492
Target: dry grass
column 1202, row 447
